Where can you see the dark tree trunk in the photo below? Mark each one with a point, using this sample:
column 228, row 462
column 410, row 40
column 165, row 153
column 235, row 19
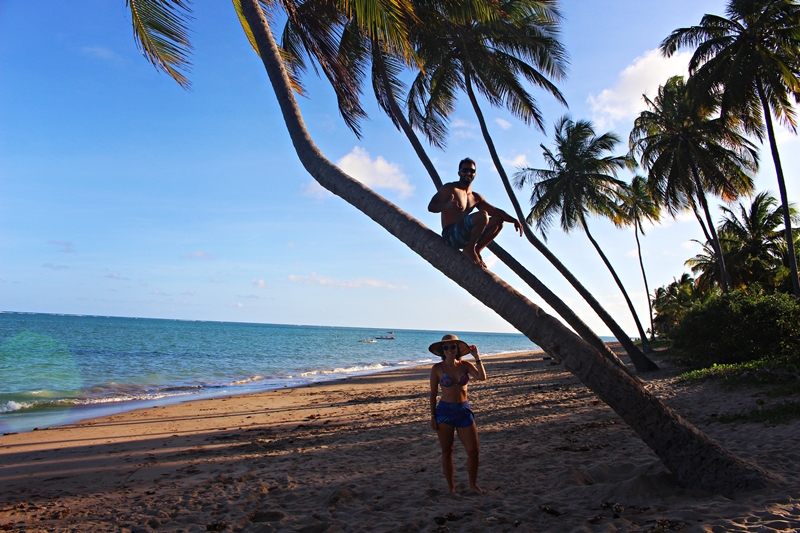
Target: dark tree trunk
column 644, row 277
column 787, row 217
column 693, row 458
column 618, row 281
column 639, row 360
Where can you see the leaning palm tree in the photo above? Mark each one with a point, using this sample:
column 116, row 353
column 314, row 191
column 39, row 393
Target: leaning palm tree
column 581, row 180
column 694, row 459
column 492, row 58
column 752, row 58
column 688, row 154
column 637, row 206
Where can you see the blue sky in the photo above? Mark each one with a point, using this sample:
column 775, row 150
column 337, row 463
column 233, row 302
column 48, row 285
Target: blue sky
column 122, row 194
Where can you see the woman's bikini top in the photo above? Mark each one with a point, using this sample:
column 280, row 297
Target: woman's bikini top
column 447, row 381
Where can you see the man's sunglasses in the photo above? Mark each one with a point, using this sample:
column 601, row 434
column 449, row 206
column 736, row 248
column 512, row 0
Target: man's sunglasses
column 467, row 170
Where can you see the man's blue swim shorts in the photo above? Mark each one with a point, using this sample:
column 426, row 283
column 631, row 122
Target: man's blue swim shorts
column 457, row 235
column 458, row 415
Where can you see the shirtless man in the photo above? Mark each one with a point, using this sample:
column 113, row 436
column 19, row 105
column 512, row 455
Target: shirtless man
column 474, row 232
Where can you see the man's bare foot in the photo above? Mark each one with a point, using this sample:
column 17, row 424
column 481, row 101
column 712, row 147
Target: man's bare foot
column 474, row 257
column 452, row 490
column 476, row 490
column 482, row 264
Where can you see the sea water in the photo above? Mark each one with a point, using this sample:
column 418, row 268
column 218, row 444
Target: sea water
column 58, row 369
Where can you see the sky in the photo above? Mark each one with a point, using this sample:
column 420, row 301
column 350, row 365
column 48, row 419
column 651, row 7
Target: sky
column 122, row 194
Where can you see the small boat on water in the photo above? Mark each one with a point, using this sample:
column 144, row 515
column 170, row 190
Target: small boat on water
column 389, row 337
column 367, row 340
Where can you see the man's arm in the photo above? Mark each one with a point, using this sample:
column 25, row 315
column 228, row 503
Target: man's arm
column 493, row 211
column 443, row 200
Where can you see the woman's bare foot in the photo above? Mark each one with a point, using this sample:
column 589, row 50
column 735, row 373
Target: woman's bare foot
column 452, row 490
column 476, row 490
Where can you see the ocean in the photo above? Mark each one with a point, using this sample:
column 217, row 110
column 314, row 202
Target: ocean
column 59, row 369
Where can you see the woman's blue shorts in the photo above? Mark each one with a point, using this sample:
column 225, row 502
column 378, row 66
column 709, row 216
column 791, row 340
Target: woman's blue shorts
column 456, row 414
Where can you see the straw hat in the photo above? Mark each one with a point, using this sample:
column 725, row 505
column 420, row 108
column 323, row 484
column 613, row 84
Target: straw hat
column 436, row 347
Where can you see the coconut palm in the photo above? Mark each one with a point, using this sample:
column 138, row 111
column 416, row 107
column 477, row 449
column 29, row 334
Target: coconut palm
column 492, row 58
column 694, row 459
column 637, row 206
column 581, row 181
column 756, row 240
column 357, row 53
column 751, row 58
column 688, row 155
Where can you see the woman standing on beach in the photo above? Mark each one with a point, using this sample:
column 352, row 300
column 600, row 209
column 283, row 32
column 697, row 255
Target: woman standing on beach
column 452, row 414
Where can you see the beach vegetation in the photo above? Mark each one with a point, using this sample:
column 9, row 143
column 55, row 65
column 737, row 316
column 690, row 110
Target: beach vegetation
column 581, row 181
column 739, row 327
column 781, row 413
column 748, row 62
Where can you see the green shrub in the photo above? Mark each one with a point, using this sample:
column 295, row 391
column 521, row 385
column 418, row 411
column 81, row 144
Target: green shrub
column 740, row 327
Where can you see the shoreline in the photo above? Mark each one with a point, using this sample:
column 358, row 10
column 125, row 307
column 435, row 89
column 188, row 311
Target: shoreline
column 357, row 455
column 51, row 418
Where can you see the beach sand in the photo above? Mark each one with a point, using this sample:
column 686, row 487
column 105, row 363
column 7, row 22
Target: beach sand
column 359, row 455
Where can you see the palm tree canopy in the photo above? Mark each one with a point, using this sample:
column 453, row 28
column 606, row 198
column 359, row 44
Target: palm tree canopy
column 580, row 180
column 680, row 145
column 755, row 240
column 520, row 42
column 757, row 44
column 636, row 205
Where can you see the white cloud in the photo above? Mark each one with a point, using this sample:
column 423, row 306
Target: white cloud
column 504, row 124
column 315, row 279
column 377, row 173
column 99, row 52
column 461, row 129
column 200, row 255
column 66, row 247
column 315, row 190
column 259, row 283
column 643, row 76
column 691, row 244
column 116, row 276
column 55, row 267
column 633, row 253
column 189, row 292
column 519, row 161
column 159, row 293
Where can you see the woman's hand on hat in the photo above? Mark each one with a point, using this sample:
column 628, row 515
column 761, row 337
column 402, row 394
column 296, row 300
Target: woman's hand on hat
column 473, row 350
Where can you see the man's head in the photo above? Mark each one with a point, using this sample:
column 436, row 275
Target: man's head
column 466, row 170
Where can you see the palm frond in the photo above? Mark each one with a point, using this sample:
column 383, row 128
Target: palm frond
column 161, row 32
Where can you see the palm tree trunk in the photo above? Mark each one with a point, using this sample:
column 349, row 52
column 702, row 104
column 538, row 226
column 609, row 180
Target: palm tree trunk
column 642, row 333
column 787, row 218
column 533, row 282
column 725, row 281
column 644, row 277
column 640, row 361
column 693, row 458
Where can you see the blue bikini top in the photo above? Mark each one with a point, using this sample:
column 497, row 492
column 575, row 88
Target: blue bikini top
column 447, row 381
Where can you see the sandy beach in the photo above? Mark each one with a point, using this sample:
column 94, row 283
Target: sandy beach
column 358, row 455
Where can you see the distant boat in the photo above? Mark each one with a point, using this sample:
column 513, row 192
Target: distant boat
column 389, row 337
column 367, row 340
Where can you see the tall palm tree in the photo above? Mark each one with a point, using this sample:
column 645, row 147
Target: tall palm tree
column 756, row 240
column 386, row 85
column 694, row 459
column 492, row 57
column 635, row 207
column 752, row 58
column 581, row 180
column 688, row 155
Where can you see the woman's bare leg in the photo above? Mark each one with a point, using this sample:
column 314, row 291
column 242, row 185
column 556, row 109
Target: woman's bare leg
column 446, row 434
column 469, row 438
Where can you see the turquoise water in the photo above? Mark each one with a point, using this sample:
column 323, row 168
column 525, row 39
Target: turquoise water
column 57, row 369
